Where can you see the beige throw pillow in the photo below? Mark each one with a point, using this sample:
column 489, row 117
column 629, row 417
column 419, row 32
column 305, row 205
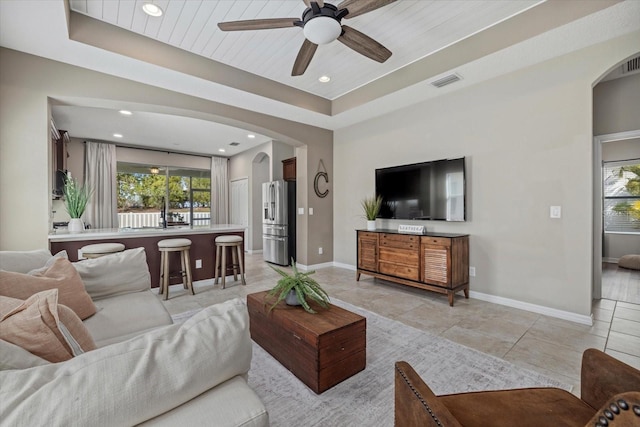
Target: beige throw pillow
column 60, row 275
column 42, row 327
column 115, row 274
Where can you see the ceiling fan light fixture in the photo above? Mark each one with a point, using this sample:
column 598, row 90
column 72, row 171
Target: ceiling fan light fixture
column 322, row 30
column 152, row 9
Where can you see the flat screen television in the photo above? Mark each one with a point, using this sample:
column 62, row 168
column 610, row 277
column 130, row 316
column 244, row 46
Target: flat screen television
column 423, row 191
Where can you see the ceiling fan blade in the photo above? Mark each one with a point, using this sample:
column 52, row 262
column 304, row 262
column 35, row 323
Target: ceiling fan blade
column 358, row 7
column 304, row 58
column 258, row 24
column 364, row 44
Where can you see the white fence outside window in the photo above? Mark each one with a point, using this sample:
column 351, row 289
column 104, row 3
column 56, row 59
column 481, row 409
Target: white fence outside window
column 152, row 219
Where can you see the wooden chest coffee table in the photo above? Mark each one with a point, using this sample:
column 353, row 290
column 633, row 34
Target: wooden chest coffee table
column 320, row 349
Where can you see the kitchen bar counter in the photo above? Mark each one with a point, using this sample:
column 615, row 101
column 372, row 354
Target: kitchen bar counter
column 202, row 245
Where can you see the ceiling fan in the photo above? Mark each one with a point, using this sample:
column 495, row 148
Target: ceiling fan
column 321, row 25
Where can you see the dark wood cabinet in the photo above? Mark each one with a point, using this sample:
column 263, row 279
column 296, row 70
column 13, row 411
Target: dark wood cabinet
column 289, row 169
column 437, row 262
column 320, row 349
column 367, row 251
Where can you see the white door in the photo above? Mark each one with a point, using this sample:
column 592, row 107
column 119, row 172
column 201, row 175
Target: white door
column 240, row 207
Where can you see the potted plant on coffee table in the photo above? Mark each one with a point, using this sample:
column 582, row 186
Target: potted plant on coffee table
column 296, row 288
column 76, row 197
column 371, row 207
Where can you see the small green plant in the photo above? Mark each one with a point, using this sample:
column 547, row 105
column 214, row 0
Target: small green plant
column 303, row 286
column 76, row 197
column 371, row 206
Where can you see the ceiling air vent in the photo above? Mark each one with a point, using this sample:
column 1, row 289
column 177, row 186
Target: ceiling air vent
column 234, row 144
column 446, row 80
column 631, row 65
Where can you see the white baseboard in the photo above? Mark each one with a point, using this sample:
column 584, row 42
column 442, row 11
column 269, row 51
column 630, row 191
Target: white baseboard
column 540, row 309
column 547, row 311
column 256, row 251
column 610, row 260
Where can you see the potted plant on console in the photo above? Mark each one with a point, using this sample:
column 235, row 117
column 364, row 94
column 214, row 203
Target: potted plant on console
column 76, row 197
column 295, row 288
column 371, row 207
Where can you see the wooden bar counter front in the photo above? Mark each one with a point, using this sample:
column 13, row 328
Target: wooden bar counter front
column 320, row 349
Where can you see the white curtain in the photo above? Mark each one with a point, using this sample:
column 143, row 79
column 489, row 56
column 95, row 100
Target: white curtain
column 100, row 175
column 219, row 190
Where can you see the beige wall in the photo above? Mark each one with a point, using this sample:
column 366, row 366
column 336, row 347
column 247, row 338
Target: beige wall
column 613, row 105
column 527, row 138
column 28, row 83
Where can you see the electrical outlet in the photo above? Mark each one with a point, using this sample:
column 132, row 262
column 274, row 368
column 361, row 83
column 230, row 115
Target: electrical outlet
column 80, row 256
column 198, row 263
column 472, row 271
column 320, row 251
column 310, row 211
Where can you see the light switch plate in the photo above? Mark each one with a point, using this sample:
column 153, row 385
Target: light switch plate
column 198, row 263
column 555, row 211
column 300, row 211
column 310, row 211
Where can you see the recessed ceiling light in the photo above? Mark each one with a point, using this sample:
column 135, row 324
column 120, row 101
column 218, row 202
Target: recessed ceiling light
column 117, row 135
column 125, row 112
column 152, row 9
column 324, row 79
column 222, row 150
column 251, row 136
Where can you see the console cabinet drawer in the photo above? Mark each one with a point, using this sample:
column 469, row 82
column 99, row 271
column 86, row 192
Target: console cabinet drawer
column 400, row 256
column 436, row 241
column 399, row 241
column 400, row 270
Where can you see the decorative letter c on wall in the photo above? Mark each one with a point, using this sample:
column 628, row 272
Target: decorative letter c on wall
column 316, row 186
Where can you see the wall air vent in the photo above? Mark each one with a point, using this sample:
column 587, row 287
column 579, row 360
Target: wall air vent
column 631, row 65
column 446, row 80
column 234, row 144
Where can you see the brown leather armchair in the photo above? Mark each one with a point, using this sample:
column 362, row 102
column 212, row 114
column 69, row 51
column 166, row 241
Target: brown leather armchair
column 610, row 396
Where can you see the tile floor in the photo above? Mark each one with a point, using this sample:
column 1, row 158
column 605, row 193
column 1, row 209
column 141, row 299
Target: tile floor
column 545, row 344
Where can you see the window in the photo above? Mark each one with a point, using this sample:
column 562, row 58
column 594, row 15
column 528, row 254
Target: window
column 145, row 192
column 621, row 183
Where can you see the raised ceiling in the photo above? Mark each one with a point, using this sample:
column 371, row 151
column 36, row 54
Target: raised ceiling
column 410, row 29
column 477, row 39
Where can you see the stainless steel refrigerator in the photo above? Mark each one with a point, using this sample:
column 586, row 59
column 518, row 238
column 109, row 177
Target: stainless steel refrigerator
column 275, row 232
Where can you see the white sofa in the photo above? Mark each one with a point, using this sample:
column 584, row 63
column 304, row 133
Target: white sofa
column 145, row 371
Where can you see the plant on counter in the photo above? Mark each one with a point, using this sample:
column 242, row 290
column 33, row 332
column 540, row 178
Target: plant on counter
column 371, row 207
column 76, row 197
column 300, row 285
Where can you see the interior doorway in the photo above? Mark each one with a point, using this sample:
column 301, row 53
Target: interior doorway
column 240, row 206
column 610, row 281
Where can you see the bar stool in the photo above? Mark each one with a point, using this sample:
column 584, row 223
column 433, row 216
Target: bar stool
column 236, row 244
column 101, row 249
column 175, row 245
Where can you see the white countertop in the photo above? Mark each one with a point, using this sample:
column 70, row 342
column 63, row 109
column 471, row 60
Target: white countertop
column 63, row 235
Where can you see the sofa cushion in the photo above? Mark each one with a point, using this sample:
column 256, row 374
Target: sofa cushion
column 497, row 408
column 23, row 261
column 125, row 316
column 16, row 357
column 42, row 327
column 115, row 274
column 60, row 275
column 135, row 380
column 242, row 407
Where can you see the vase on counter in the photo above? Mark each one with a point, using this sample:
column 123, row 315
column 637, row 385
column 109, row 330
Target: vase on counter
column 371, row 225
column 76, row 225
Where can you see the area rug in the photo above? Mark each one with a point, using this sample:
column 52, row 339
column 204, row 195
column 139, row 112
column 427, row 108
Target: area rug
column 366, row 399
